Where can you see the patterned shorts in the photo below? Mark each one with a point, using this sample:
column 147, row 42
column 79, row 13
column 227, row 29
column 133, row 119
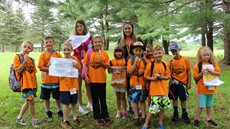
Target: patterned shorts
column 158, row 103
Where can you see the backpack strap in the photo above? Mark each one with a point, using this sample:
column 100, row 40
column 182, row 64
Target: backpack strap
column 200, row 66
column 152, row 67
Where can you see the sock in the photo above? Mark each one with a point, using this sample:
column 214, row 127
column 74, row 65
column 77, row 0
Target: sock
column 47, row 109
column 175, row 108
column 59, row 108
column 183, row 110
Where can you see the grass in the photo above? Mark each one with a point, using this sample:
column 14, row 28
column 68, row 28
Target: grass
column 10, row 103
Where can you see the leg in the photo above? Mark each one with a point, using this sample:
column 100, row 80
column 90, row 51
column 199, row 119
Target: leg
column 208, row 113
column 73, row 108
column 147, row 120
column 79, row 91
column 118, row 101
column 88, row 92
column 65, row 112
column 135, row 110
column 95, row 94
column 102, row 99
column 143, row 109
column 24, row 108
column 161, row 116
column 32, row 109
column 123, row 101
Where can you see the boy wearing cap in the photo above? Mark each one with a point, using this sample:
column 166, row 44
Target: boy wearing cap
column 137, row 92
column 180, row 81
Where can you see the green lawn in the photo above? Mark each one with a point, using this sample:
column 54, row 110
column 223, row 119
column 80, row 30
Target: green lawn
column 10, row 103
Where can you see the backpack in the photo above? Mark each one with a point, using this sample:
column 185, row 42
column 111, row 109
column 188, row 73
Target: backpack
column 142, row 59
column 13, row 81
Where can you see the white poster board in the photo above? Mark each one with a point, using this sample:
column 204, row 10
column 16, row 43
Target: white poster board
column 209, row 79
column 62, row 67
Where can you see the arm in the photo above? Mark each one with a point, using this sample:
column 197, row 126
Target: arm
column 199, row 76
column 133, row 67
column 23, row 65
column 189, row 79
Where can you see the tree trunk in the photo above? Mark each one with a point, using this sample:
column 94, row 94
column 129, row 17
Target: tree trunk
column 203, row 40
column 107, row 36
column 226, row 34
column 165, row 45
column 209, row 35
column 3, row 47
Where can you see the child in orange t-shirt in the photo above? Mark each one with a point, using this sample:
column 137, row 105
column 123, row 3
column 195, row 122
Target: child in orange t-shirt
column 205, row 93
column 118, row 70
column 180, row 81
column 26, row 73
column 137, row 91
column 49, row 84
column 96, row 76
column 69, row 88
column 158, row 87
column 149, row 54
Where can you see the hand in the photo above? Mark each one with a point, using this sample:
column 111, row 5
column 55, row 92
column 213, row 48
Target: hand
column 87, row 79
column 140, row 72
column 74, row 64
column 48, row 64
column 154, row 78
column 188, row 86
column 26, row 57
column 136, row 59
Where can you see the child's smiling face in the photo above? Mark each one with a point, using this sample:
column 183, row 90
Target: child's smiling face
column 97, row 43
column 26, row 48
column 67, row 51
column 158, row 54
column 49, row 44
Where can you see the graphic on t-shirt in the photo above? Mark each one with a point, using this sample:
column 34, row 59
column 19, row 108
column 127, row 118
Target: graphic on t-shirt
column 178, row 69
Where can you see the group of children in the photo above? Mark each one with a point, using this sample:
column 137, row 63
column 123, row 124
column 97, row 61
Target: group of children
column 149, row 77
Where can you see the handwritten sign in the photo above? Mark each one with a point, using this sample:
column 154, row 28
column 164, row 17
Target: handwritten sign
column 62, row 67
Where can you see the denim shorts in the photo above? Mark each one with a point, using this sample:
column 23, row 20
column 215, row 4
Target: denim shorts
column 117, row 89
column 137, row 95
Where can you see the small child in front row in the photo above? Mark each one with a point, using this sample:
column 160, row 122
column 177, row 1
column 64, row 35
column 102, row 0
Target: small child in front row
column 158, row 87
column 119, row 74
column 26, row 73
column 68, row 89
column 96, row 76
column 205, row 93
column 137, row 93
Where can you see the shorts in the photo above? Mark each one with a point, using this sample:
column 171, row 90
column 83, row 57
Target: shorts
column 67, row 99
column 158, row 103
column 137, row 95
column 28, row 94
column 117, row 89
column 205, row 100
column 177, row 90
column 46, row 90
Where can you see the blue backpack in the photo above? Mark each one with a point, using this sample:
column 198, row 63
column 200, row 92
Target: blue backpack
column 13, row 81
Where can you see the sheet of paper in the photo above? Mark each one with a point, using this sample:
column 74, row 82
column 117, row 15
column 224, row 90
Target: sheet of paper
column 62, row 67
column 78, row 40
column 209, row 79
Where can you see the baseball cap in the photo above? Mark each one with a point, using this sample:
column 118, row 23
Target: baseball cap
column 138, row 44
column 174, row 46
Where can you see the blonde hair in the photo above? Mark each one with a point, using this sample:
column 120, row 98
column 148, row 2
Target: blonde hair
column 199, row 52
column 123, row 36
column 29, row 42
column 95, row 37
column 67, row 44
column 157, row 47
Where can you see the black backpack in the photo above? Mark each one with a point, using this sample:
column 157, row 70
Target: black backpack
column 152, row 67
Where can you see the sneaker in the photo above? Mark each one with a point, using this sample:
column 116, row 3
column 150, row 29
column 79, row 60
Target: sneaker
column 137, row 122
column 49, row 116
column 60, row 114
column 125, row 115
column 107, row 120
column 34, row 122
column 143, row 127
column 130, row 111
column 90, row 106
column 21, row 121
column 143, row 120
column 196, row 123
column 185, row 118
column 99, row 121
column 175, row 116
column 119, row 114
column 160, row 126
column 83, row 110
column 213, row 123
column 78, row 123
column 66, row 125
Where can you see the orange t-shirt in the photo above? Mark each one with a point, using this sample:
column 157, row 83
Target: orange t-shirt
column 179, row 69
column 201, row 88
column 134, row 80
column 43, row 61
column 66, row 83
column 122, row 75
column 96, row 72
column 29, row 79
column 149, row 60
column 158, row 87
